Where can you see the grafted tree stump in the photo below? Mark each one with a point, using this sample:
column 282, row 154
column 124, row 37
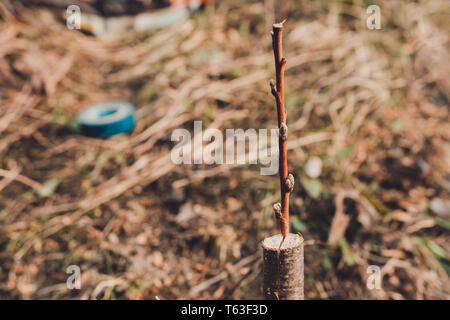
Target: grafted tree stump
column 283, row 267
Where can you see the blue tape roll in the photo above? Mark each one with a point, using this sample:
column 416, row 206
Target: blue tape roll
column 105, row 119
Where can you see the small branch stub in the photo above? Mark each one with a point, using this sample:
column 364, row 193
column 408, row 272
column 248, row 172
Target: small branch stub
column 289, row 183
column 273, row 87
column 283, row 131
column 283, row 271
column 277, row 210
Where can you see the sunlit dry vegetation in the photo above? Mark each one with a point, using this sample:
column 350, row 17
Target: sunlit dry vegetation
column 372, row 105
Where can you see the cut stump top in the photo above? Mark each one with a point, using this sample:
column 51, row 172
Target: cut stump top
column 273, row 243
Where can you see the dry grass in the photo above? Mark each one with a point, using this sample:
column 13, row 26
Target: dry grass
column 373, row 105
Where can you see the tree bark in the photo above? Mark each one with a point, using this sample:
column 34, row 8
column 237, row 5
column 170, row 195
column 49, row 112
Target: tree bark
column 283, row 267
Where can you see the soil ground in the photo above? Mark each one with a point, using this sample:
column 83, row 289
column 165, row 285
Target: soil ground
column 372, row 105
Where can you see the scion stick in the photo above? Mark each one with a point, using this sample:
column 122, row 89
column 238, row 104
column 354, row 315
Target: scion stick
column 277, row 88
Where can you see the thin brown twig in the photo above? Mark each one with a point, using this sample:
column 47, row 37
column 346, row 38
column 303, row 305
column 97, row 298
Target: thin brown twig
column 277, row 88
column 14, row 175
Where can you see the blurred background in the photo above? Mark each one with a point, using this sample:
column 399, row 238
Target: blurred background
column 369, row 145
